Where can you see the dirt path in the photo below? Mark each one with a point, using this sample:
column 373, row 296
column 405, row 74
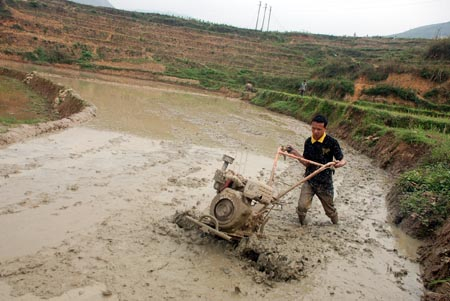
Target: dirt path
column 87, row 212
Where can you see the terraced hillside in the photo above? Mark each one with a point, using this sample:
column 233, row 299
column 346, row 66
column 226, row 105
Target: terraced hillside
column 152, row 45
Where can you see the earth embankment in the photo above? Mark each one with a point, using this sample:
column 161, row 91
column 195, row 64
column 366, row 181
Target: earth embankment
column 68, row 107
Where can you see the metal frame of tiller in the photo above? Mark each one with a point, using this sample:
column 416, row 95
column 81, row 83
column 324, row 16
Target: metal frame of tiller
column 210, row 224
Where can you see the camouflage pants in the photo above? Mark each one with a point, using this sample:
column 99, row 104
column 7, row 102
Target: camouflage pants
column 324, row 193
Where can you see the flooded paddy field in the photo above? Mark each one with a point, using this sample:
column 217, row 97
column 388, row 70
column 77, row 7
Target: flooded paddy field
column 86, row 213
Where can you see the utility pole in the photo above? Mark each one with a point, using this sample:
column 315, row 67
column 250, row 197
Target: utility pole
column 257, row 19
column 268, row 21
column 438, row 33
column 264, row 17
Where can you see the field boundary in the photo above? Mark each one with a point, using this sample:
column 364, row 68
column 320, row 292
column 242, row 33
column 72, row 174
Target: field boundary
column 71, row 108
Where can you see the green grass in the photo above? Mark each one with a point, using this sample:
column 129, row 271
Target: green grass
column 439, row 149
column 403, row 109
column 52, row 56
column 36, row 106
column 438, row 75
column 332, row 88
column 405, row 121
column 405, row 94
column 215, row 76
column 285, row 107
column 14, row 121
column 438, row 281
column 371, row 115
column 426, row 194
column 59, row 54
column 387, row 90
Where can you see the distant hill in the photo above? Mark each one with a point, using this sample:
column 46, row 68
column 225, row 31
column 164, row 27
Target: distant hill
column 433, row 31
column 103, row 3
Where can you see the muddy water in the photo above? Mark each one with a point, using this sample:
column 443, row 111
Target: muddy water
column 162, row 112
column 91, row 206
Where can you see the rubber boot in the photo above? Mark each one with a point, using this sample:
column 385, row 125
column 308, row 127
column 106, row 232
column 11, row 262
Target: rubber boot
column 334, row 219
column 301, row 218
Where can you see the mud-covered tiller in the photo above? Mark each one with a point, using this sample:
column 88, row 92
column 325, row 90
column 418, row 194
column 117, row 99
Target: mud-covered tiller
column 242, row 206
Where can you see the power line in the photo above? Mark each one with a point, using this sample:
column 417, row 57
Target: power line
column 281, row 26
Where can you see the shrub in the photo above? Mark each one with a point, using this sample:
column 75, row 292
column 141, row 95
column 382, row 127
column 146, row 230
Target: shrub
column 377, row 74
column 86, row 56
column 280, row 83
column 440, row 152
column 5, row 13
column 386, row 90
column 47, row 56
column 405, row 94
column 339, row 69
column 17, row 27
column 102, row 52
column 439, row 50
column 331, row 88
column 58, row 56
column 4, row 10
column 34, row 4
column 426, row 194
column 437, row 94
column 438, row 75
column 29, row 56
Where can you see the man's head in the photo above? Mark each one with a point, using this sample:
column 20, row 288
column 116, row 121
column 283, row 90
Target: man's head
column 318, row 126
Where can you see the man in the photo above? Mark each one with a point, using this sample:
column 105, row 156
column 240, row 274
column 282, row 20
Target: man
column 249, row 87
column 302, row 87
column 320, row 148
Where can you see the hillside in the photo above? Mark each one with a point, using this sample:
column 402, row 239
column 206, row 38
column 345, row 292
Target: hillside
column 163, row 47
column 433, row 31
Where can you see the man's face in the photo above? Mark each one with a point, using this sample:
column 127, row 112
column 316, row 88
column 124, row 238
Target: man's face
column 318, row 129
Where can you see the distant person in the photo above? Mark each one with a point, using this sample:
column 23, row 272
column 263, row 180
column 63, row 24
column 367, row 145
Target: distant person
column 320, row 148
column 302, row 88
column 249, row 87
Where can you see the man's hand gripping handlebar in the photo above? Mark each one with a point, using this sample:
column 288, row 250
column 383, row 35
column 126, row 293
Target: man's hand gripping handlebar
column 289, row 151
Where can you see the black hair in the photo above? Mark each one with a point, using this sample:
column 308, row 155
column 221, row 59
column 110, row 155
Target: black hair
column 320, row 119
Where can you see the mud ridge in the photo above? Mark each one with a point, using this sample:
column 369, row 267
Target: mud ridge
column 435, row 256
column 71, row 108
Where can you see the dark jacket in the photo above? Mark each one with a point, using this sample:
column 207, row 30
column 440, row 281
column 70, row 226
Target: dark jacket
column 322, row 153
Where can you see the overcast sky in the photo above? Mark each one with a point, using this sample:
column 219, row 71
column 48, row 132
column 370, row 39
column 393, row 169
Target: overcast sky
column 345, row 17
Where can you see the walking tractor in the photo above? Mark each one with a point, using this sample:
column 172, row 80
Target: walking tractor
column 242, row 206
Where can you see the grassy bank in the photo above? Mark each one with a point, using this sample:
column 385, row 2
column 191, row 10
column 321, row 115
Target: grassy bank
column 21, row 105
column 413, row 143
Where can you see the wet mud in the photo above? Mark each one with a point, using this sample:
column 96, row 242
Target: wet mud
column 87, row 213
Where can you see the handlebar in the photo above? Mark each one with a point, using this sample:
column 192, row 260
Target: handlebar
column 281, row 151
